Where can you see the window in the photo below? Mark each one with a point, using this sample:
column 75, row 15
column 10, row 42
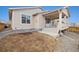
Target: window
column 63, row 22
column 25, row 19
column 48, row 20
column 28, row 19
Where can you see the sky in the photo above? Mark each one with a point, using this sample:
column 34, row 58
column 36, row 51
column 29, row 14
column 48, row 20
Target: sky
column 73, row 10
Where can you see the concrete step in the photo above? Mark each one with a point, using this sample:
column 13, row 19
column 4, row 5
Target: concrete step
column 50, row 31
column 53, row 30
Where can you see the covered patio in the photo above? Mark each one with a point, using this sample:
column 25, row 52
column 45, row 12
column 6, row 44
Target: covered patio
column 54, row 19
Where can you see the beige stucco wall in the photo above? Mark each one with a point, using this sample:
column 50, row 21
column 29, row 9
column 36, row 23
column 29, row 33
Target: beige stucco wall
column 17, row 21
column 39, row 21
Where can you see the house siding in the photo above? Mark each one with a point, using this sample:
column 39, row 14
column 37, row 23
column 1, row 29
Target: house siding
column 17, row 21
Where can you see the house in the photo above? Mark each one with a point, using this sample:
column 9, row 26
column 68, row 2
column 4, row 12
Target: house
column 74, row 24
column 2, row 26
column 77, row 24
column 36, row 18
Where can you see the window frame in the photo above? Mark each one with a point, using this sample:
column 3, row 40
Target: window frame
column 25, row 19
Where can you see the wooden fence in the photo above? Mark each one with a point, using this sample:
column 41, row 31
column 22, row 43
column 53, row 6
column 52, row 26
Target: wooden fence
column 73, row 29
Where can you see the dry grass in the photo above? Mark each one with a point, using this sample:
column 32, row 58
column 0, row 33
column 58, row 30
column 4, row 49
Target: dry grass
column 73, row 29
column 30, row 42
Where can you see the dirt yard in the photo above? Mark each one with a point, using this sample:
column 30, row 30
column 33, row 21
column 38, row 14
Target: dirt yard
column 29, row 42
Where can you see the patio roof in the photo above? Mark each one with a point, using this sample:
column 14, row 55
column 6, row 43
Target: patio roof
column 55, row 13
column 52, row 15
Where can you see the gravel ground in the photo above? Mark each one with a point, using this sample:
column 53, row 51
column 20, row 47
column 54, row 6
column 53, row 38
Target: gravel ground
column 69, row 42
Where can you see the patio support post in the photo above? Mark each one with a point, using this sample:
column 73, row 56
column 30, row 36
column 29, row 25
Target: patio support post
column 60, row 20
column 66, row 20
